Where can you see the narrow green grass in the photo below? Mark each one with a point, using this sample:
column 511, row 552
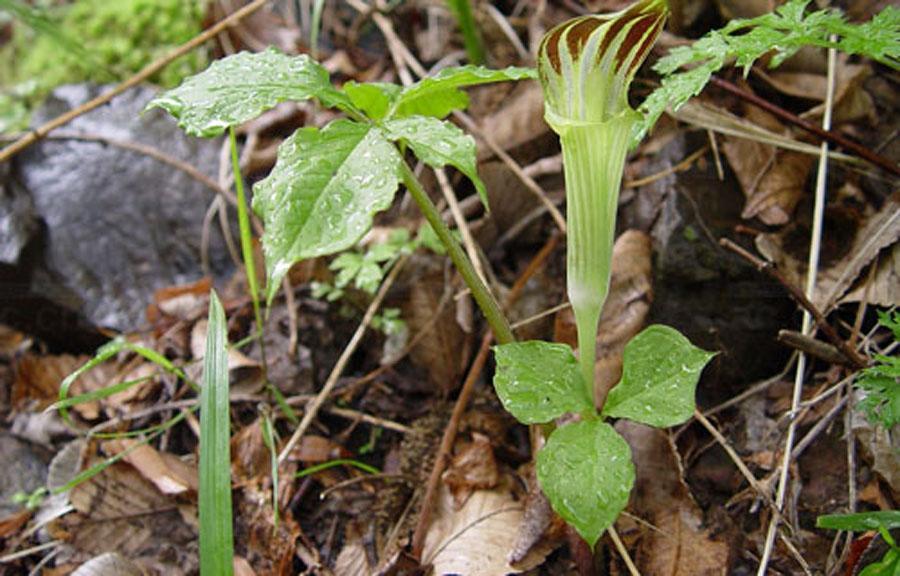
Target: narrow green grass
column 462, row 9
column 216, row 540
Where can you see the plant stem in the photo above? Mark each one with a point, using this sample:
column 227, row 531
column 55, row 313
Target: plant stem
column 483, row 297
column 246, row 240
column 462, row 9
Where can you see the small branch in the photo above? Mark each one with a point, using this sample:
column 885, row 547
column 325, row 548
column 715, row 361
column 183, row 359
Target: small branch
column 829, row 135
column 855, row 359
column 812, row 346
column 447, row 440
column 148, row 71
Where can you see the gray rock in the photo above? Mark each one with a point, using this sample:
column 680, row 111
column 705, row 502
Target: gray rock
column 118, row 224
column 24, row 471
column 17, row 217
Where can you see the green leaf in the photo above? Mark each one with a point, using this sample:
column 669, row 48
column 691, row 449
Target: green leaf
column 539, row 381
column 659, row 377
column 889, row 565
column 881, row 384
column 585, row 470
column 373, row 98
column 784, row 31
column 860, row 521
column 323, row 192
column 439, row 95
column 239, row 88
column 439, row 143
column 216, row 542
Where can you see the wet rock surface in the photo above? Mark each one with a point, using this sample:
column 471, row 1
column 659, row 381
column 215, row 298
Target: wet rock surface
column 24, row 471
column 115, row 224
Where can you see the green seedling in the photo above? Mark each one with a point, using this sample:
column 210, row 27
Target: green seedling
column 585, row 468
column 780, row 33
column 880, row 383
column 882, row 521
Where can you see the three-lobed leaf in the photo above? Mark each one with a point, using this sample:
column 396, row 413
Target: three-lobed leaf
column 586, row 472
column 659, row 378
column 239, row 88
column 323, row 192
column 538, row 381
column 439, row 143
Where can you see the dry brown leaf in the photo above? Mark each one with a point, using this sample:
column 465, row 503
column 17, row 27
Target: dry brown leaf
column 38, row 378
column 883, row 289
column 109, row 564
column 269, row 549
column 520, row 120
column 681, row 546
column 250, row 458
column 441, row 350
column 184, row 302
column 245, row 374
column 242, row 567
column 120, row 511
column 473, row 468
column 476, row 539
column 314, row 449
column 170, row 474
column 879, row 447
column 877, row 232
column 772, row 179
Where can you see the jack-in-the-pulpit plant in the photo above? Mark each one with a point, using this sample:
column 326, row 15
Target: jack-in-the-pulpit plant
column 585, row 66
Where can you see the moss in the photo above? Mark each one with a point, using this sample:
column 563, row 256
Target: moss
column 118, row 39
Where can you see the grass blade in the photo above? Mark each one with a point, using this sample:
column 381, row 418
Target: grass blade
column 216, row 543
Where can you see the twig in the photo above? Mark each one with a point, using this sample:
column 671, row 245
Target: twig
column 312, row 409
column 764, row 266
column 447, row 440
column 824, row 133
column 812, row 272
column 623, row 552
column 812, row 346
column 148, row 71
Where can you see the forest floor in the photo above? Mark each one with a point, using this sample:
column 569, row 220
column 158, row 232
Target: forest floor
column 394, row 355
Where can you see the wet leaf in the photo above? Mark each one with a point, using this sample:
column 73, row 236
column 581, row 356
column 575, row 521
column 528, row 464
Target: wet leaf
column 660, row 373
column 439, row 95
column 539, row 381
column 239, row 88
column 323, row 192
column 438, row 144
column 373, row 98
column 585, row 470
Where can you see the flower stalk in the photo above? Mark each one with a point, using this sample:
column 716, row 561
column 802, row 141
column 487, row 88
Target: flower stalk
column 586, row 66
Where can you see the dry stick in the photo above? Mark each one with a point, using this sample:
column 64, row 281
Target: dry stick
column 449, row 437
column 312, row 409
column 823, row 133
column 811, row 273
column 434, row 479
column 623, row 552
column 148, row 71
column 812, row 346
column 846, row 350
column 754, row 483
